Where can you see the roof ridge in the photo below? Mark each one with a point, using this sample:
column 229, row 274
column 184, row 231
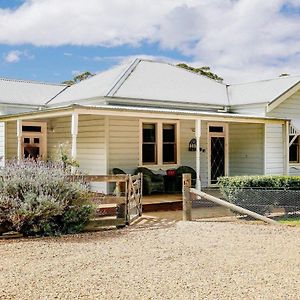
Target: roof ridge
column 122, row 78
column 265, row 80
column 175, row 66
column 31, row 81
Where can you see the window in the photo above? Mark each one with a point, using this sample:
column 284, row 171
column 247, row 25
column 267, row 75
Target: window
column 149, row 144
column 294, row 150
column 169, row 144
column 159, row 144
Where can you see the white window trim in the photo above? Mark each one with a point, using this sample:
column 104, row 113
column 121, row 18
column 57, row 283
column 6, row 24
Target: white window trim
column 159, row 123
column 42, row 135
column 217, row 134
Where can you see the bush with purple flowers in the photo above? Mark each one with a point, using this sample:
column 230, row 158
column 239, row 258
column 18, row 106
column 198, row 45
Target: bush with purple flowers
column 41, row 198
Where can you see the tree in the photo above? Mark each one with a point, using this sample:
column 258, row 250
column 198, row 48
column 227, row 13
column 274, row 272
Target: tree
column 79, row 77
column 205, row 71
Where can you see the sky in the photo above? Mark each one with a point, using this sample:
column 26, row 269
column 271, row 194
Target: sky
column 241, row 40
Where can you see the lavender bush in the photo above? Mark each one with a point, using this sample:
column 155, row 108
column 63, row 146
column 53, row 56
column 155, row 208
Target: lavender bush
column 40, row 198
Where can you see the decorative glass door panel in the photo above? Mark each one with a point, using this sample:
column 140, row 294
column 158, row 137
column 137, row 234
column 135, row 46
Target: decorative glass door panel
column 218, row 164
column 217, row 161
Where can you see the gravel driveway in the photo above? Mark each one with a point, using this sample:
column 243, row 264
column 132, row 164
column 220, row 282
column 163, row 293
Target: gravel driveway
column 183, row 261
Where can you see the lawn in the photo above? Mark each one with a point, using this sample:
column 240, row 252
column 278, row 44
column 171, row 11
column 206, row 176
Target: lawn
column 293, row 220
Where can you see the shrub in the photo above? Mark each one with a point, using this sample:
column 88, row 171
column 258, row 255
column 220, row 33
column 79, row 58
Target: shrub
column 262, row 193
column 41, row 198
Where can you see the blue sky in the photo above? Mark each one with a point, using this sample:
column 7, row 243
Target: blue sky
column 241, row 40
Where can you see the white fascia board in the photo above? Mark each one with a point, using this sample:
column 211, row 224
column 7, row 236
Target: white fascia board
column 143, row 113
column 98, row 100
column 288, row 93
column 161, row 103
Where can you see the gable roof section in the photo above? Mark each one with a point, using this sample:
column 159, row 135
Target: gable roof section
column 147, row 80
column 21, row 92
column 265, row 91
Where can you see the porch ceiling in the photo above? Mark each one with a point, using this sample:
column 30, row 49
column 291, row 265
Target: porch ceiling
column 143, row 112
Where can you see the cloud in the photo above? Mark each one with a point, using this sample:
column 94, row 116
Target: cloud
column 15, row 56
column 239, row 39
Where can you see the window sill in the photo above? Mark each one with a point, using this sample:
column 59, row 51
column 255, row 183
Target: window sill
column 160, row 166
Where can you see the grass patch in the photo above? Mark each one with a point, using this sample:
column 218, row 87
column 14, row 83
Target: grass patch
column 290, row 220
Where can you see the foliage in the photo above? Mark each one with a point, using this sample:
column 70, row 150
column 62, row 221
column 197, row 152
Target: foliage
column 63, row 156
column 205, row 71
column 284, row 75
column 262, row 193
column 39, row 198
column 293, row 220
column 80, row 77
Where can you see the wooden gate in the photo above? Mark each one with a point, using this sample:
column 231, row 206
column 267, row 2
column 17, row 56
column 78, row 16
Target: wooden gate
column 134, row 198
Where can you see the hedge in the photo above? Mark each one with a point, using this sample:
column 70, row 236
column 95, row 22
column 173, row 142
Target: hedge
column 262, row 193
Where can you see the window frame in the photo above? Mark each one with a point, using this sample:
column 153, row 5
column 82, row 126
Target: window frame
column 159, row 142
column 296, row 162
column 150, row 143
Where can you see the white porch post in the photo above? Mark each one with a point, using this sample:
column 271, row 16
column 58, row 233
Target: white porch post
column 74, row 132
column 286, row 147
column 19, row 137
column 197, row 136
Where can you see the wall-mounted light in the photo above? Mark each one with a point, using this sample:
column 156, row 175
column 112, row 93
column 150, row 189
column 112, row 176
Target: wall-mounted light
column 193, row 146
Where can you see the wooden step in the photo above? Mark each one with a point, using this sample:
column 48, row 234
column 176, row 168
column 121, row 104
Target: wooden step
column 98, row 223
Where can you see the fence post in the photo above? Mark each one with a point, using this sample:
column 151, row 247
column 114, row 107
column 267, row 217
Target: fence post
column 186, row 197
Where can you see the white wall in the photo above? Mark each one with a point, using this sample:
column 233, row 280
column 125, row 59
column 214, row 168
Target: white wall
column 11, row 140
column 2, row 143
column 91, row 150
column 123, row 150
column 289, row 109
column 188, row 158
column 274, row 149
column 246, row 149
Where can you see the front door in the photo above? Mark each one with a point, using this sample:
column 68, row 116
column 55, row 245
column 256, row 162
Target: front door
column 217, row 134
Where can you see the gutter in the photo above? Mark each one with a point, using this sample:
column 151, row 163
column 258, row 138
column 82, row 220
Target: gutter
column 187, row 114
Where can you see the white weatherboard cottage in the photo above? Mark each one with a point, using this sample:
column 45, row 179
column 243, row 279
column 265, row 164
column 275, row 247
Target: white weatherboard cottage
column 147, row 113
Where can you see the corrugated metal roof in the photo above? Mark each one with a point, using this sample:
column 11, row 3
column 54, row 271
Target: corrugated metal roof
column 27, row 92
column 161, row 81
column 96, row 86
column 264, row 91
column 148, row 80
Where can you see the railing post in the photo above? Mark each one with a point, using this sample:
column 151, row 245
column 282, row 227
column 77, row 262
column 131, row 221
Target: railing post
column 186, row 197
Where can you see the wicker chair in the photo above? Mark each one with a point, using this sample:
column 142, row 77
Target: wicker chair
column 182, row 170
column 151, row 182
column 117, row 171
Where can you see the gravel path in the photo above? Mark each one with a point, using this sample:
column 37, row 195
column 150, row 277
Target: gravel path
column 181, row 261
